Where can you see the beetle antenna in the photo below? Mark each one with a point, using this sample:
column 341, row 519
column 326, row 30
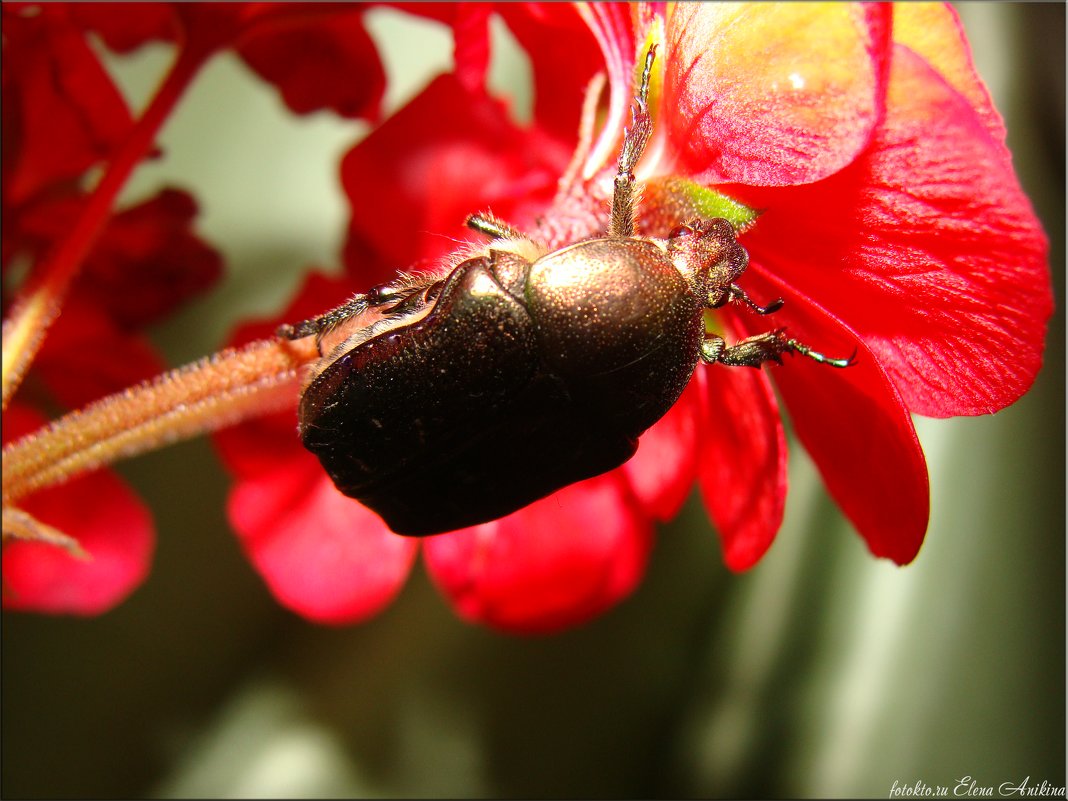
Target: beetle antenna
column 635, row 139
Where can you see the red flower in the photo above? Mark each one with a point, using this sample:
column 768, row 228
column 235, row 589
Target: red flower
column 62, row 115
column 114, row 274
column 891, row 223
column 108, row 521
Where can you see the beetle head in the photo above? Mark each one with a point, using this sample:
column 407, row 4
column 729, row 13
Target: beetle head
column 707, row 252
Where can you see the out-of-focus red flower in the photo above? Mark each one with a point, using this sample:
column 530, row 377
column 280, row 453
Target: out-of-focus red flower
column 62, row 115
column 310, row 52
column 146, row 263
column 107, row 520
column 61, row 112
column 891, row 223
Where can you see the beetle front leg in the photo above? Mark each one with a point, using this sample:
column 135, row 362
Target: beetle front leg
column 635, row 138
column 736, row 294
column 755, row 350
column 324, row 322
column 397, row 297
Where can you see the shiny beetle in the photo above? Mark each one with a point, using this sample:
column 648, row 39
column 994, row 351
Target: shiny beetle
column 443, row 402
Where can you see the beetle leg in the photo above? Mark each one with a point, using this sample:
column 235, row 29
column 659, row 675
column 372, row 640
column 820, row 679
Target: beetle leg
column 755, row 350
column 400, row 296
column 493, row 227
column 738, row 295
column 635, row 138
column 324, row 322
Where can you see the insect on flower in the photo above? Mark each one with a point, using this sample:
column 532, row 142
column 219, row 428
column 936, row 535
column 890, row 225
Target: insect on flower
column 444, row 402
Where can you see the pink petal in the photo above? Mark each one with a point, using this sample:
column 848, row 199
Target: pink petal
column 927, row 248
column 551, row 566
column 771, row 94
column 933, row 31
column 106, row 518
column 742, row 470
column 262, row 445
column 853, row 424
column 322, row 555
column 662, row 472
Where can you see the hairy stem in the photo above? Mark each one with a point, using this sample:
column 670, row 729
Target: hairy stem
column 40, row 302
column 215, row 392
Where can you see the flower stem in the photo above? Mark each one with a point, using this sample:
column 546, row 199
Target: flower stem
column 217, row 391
column 40, row 302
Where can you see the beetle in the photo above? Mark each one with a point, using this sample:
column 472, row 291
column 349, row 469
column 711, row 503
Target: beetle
column 445, row 401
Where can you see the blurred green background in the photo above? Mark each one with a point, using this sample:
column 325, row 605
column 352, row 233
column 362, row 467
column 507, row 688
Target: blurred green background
column 821, row 672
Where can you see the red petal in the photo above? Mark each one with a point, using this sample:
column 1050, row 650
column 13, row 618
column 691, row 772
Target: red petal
column 262, row 445
column 470, row 32
column 61, row 111
column 742, row 470
column 662, row 472
column 414, row 180
column 772, row 94
column 321, row 59
column 86, row 356
column 322, row 555
column 106, row 518
column 471, row 52
column 927, row 248
column 546, row 30
column 266, row 443
column 146, row 262
column 853, row 424
column 555, row 564
column 126, row 27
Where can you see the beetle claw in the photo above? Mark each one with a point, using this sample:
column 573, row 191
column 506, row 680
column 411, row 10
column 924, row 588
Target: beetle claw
column 738, row 295
column 771, row 308
column 769, row 347
column 796, row 347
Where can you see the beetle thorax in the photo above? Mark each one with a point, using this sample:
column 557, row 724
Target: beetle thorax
column 602, row 304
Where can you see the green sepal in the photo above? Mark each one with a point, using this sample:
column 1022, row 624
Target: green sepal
column 671, row 200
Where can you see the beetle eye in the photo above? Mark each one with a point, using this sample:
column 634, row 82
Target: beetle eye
column 680, row 230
